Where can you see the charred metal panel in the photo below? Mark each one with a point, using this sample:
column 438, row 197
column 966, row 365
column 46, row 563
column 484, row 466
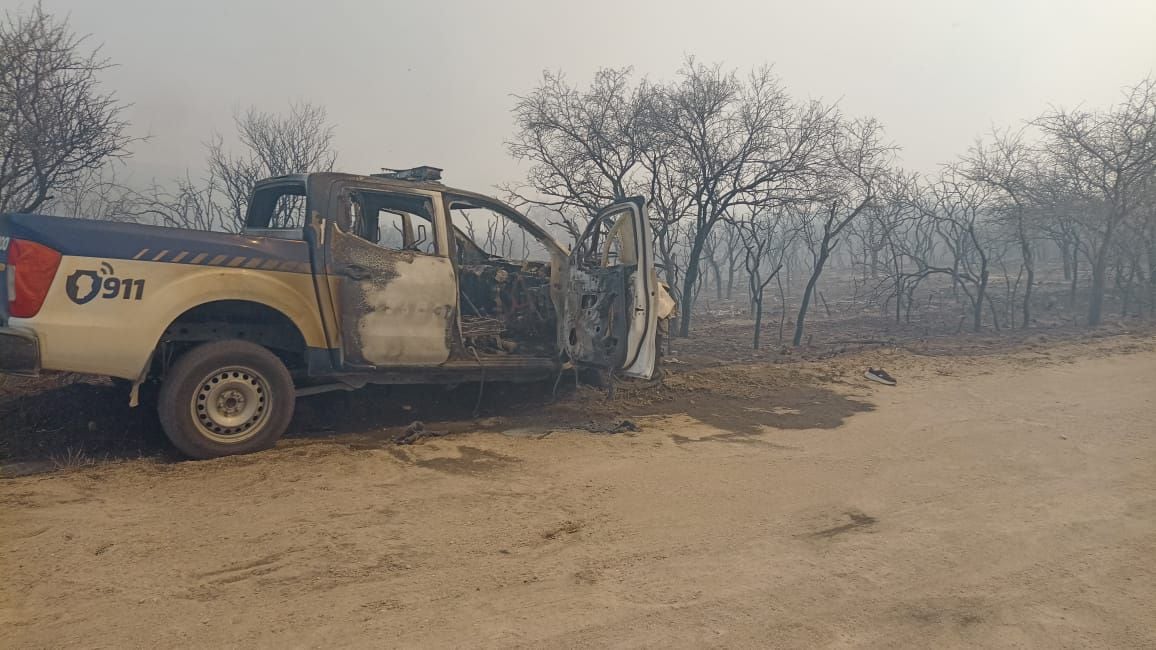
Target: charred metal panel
column 596, row 324
column 617, row 240
column 396, row 307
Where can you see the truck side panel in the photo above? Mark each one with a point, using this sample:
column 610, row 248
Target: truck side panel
column 105, row 316
column 120, row 285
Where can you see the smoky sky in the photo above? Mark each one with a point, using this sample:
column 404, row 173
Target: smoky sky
column 409, row 83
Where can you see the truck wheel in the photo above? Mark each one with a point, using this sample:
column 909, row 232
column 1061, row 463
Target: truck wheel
column 226, row 397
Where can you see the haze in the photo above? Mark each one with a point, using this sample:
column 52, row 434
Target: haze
column 431, row 83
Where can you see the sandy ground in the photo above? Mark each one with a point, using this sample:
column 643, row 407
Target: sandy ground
column 1001, row 501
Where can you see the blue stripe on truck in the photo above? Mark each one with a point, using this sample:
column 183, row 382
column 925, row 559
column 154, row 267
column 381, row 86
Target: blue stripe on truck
column 133, row 241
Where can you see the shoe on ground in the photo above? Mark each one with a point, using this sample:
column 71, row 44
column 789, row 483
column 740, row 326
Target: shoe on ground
column 880, row 375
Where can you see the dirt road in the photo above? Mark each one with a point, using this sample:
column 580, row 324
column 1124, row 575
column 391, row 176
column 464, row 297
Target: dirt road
column 988, row 501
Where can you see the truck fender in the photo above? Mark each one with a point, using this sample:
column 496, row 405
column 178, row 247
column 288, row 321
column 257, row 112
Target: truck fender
column 291, row 294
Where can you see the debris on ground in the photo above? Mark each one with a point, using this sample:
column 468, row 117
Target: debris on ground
column 622, row 426
column 415, row 432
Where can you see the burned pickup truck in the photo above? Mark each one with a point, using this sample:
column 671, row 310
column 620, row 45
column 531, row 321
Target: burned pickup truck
column 336, row 281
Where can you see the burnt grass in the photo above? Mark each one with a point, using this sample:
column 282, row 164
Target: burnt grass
column 61, row 420
column 65, row 419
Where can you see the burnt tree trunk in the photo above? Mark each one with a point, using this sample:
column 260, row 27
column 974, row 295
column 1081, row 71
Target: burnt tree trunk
column 758, row 317
column 1152, row 279
column 1099, row 281
column 1029, row 266
column 820, row 261
column 782, row 307
column 1099, row 284
column 1075, row 276
column 718, row 285
column 981, row 292
column 1126, row 299
column 688, row 282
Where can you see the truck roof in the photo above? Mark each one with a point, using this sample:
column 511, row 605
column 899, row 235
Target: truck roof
column 394, row 183
column 363, row 178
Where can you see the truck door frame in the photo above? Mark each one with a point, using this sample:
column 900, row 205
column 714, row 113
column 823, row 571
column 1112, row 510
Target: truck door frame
column 332, row 284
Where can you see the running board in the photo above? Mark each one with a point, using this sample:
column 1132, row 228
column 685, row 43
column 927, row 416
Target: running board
column 521, row 370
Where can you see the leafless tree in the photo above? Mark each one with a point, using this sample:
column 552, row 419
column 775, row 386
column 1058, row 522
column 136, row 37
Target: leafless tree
column 733, row 166
column 1057, row 213
column 1009, row 165
column 272, row 145
column 96, row 193
column 713, row 248
column 1146, row 230
column 1110, row 159
column 894, row 235
column 583, row 147
column 960, row 210
column 764, row 237
column 696, row 147
column 56, row 122
column 669, row 207
column 736, row 142
column 732, row 254
column 188, row 204
column 858, row 164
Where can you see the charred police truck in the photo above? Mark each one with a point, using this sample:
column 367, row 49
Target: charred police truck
column 335, row 281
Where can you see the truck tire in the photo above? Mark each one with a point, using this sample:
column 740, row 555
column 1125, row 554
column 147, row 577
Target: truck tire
column 224, row 398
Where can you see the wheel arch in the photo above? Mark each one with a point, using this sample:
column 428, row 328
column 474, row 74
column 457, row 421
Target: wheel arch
column 273, row 326
column 246, row 320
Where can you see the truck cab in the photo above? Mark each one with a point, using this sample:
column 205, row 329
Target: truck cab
column 335, row 281
column 400, row 283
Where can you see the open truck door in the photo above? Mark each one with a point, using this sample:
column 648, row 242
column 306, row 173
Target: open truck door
column 610, row 316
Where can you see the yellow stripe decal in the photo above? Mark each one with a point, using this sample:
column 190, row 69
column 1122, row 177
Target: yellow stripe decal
column 263, row 263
